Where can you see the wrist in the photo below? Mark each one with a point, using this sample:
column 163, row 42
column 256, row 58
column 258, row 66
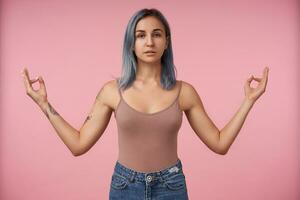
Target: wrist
column 43, row 105
column 249, row 102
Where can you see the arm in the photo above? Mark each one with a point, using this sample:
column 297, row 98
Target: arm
column 98, row 118
column 231, row 130
column 217, row 141
column 199, row 120
column 68, row 134
column 92, row 129
column 220, row 141
column 78, row 142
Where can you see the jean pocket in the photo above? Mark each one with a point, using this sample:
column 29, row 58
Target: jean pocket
column 118, row 181
column 175, row 181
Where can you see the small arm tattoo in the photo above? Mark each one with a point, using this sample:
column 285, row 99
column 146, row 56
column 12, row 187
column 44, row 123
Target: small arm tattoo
column 52, row 111
column 88, row 118
column 46, row 113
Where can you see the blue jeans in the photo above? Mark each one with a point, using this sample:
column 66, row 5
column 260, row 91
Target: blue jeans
column 167, row 184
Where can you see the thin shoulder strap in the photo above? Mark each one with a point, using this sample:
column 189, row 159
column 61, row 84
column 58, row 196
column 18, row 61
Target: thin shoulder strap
column 118, row 87
column 120, row 93
column 180, row 86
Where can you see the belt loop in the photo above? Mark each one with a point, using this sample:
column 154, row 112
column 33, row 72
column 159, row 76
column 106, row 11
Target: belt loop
column 132, row 177
column 160, row 176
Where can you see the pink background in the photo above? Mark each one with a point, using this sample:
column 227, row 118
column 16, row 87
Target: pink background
column 76, row 46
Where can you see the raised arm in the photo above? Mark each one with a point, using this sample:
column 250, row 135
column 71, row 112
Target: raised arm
column 97, row 120
column 199, row 120
column 233, row 127
column 220, row 141
column 78, row 142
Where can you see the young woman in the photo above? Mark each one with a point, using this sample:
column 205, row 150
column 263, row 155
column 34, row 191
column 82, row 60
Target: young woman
column 148, row 103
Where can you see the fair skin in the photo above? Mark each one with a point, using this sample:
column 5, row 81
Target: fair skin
column 146, row 95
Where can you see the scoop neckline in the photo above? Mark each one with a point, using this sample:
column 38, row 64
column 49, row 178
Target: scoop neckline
column 149, row 114
column 154, row 113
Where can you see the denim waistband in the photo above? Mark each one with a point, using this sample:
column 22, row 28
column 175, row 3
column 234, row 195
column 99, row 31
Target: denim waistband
column 131, row 174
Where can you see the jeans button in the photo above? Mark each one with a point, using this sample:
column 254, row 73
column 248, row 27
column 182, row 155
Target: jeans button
column 149, row 179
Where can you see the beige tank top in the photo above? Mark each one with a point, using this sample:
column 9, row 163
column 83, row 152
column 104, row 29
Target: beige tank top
column 148, row 141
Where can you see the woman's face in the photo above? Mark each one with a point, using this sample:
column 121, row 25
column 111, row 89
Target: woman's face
column 150, row 36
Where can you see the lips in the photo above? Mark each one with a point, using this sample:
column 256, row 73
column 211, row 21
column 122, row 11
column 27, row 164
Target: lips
column 150, row 51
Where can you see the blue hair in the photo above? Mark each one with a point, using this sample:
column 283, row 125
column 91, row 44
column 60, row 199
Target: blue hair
column 129, row 65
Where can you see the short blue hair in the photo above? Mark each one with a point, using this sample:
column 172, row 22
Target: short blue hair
column 129, row 66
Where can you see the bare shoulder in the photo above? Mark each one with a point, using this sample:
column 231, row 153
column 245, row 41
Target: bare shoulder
column 108, row 93
column 189, row 96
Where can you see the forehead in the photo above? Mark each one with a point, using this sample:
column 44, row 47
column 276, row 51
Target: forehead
column 149, row 23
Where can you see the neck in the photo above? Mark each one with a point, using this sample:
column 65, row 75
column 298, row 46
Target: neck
column 148, row 72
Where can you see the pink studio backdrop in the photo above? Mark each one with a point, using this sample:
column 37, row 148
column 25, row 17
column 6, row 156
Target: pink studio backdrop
column 76, row 46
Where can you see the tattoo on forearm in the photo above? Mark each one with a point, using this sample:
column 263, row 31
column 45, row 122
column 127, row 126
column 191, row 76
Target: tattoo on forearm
column 46, row 113
column 52, row 111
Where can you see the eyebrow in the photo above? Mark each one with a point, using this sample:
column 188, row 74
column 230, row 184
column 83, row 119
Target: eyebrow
column 157, row 29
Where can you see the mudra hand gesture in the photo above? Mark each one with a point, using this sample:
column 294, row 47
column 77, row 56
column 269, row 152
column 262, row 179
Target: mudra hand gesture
column 39, row 96
column 252, row 94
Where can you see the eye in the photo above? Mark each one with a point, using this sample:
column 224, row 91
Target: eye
column 140, row 35
column 157, row 34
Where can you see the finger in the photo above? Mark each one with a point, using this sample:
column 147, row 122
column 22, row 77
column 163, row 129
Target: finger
column 42, row 83
column 34, row 80
column 26, row 73
column 257, row 79
column 248, row 82
column 265, row 75
column 266, row 80
column 250, row 79
column 26, row 80
column 266, row 71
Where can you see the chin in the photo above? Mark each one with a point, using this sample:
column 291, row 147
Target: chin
column 150, row 60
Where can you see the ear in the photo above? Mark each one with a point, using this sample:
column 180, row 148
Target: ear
column 167, row 42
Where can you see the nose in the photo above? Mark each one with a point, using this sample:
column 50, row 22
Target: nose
column 149, row 41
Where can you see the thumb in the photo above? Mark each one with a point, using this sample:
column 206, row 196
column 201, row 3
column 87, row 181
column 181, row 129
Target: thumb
column 248, row 82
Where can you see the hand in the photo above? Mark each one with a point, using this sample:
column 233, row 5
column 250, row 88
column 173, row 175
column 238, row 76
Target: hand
column 252, row 94
column 40, row 95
